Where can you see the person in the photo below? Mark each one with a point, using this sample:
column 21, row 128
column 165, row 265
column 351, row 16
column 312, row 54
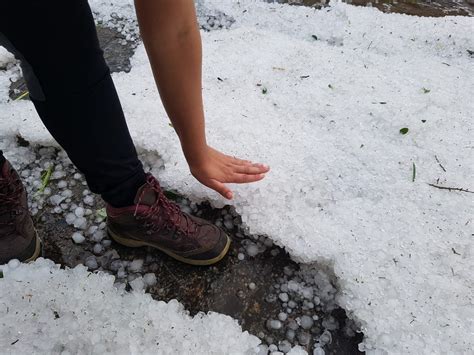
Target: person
column 71, row 88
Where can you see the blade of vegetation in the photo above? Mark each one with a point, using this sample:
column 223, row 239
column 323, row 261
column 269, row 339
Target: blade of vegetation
column 101, row 213
column 45, row 177
column 22, row 96
column 172, row 195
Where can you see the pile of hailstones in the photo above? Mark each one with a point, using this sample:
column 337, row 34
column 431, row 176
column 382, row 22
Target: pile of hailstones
column 210, row 20
column 302, row 295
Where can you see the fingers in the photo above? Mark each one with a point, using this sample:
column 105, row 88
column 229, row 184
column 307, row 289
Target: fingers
column 245, row 178
column 220, row 188
column 251, row 169
column 247, row 163
column 238, row 161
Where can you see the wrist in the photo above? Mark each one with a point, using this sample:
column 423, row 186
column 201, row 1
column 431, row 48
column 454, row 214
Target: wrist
column 195, row 154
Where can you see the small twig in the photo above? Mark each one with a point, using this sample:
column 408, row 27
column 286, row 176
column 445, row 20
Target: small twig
column 414, row 173
column 451, row 188
column 442, row 167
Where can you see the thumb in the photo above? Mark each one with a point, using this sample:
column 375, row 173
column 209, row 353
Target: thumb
column 220, row 188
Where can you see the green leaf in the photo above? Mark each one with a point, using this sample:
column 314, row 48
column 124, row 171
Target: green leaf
column 425, row 90
column 314, row 37
column 264, row 90
column 330, row 86
column 404, row 130
column 101, row 213
column 45, row 177
column 414, row 173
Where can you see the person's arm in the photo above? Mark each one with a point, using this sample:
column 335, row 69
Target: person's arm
column 172, row 40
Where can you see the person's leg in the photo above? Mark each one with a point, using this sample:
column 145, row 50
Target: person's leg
column 71, row 88
column 74, row 95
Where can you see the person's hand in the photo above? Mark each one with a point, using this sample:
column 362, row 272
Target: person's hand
column 214, row 169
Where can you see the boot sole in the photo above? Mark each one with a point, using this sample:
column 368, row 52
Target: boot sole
column 137, row 244
column 38, row 250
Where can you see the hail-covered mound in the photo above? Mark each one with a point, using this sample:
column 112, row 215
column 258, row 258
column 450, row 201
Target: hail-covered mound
column 46, row 310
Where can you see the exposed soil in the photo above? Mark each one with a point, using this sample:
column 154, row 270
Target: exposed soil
column 435, row 8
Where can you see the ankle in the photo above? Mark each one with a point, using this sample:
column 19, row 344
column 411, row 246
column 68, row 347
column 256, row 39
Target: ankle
column 125, row 194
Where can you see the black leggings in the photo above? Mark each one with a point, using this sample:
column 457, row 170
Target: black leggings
column 73, row 93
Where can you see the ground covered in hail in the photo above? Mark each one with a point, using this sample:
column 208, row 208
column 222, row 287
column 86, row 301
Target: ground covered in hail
column 366, row 121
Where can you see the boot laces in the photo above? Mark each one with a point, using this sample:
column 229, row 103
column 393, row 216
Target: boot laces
column 164, row 214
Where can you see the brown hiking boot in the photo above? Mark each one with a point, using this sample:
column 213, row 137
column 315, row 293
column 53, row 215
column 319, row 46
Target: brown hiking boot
column 158, row 222
column 18, row 238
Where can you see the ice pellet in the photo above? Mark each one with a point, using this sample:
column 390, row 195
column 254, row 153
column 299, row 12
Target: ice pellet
column 306, row 322
column 13, row 264
column 252, row 249
column 136, row 265
column 274, row 324
column 91, row 263
column 79, row 212
column 284, row 346
column 89, row 200
column 78, row 238
column 70, row 218
column 149, row 279
column 137, row 284
column 98, row 249
column 80, row 223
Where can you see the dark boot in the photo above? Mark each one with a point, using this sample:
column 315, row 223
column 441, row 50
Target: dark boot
column 158, row 222
column 18, row 237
